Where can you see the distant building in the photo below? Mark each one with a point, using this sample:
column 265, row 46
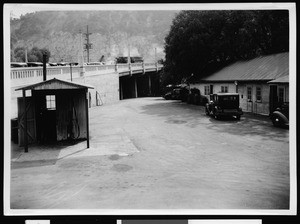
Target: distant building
column 263, row 82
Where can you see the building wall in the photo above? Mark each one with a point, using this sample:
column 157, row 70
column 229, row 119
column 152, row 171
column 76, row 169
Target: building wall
column 253, row 106
column 106, row 88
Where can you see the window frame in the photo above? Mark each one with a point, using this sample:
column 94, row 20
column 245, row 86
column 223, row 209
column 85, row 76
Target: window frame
column 249, row 96
column 224, row 89
column 50, row 102
column 256, row 94
column 281, row 88
column 207, row 90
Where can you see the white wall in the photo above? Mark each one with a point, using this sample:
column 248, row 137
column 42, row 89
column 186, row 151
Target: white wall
column 253, row 106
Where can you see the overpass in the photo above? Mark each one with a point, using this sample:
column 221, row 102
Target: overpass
column 112, row 82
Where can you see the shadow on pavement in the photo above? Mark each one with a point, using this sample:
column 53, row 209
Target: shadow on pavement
column 39, row 154
column 181, row 113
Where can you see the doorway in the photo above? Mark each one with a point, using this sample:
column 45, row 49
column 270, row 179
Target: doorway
column 47, row 119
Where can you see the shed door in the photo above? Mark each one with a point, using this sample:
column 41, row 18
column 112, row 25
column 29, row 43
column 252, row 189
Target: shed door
column 31, row 132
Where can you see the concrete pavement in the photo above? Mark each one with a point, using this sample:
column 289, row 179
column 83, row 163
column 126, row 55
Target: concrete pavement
column 149, row 153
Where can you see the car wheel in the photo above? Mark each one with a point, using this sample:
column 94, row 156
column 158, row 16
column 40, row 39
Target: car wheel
column 206, row 111
column 276, row 121
column 238, row 117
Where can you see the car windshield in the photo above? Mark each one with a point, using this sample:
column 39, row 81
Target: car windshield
column 228, row 101
column 228, row 98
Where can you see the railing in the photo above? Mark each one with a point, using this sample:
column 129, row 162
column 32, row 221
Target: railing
column 30, row 75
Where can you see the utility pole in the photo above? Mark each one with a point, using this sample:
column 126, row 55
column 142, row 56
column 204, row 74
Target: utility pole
column 81, row 58
column 26, row 59
column 88, row 45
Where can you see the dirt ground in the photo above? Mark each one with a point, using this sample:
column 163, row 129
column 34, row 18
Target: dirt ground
column 149, row 153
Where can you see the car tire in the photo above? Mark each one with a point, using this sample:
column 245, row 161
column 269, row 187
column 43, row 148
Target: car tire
column 276, row 121
column 206, row 111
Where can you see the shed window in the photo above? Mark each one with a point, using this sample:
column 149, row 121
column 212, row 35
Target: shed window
column 224, row 89
column 206, row 90
column 281, row 95
column 50, row 102
column 258, row 94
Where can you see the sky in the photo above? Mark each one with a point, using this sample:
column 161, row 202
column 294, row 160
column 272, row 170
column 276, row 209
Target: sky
column 17, row 11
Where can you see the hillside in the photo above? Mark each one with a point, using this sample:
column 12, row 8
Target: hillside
column 112, row 32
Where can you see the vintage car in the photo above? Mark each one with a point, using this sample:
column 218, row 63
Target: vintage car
column 224, row 104
column 173, row 94
column 280, row 116
column 18, row 64
column 195, row 97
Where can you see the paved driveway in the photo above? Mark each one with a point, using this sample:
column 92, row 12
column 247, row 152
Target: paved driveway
column 149, row 153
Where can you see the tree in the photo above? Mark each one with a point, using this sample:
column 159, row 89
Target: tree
column 19, row 54
column 36, row 54
column 200, row 42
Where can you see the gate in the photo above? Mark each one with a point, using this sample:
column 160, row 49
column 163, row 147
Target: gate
column 30, row 114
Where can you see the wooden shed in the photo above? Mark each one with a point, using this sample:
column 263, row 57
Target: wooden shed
column 56, row 110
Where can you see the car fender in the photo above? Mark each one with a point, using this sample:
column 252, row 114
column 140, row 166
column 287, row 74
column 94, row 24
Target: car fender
column 281, row 116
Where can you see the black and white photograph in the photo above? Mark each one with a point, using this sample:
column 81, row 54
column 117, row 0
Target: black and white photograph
column 150, row 109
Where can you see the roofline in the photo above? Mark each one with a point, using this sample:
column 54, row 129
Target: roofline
column 224, row 94
column 63, row 81
column 237, row 80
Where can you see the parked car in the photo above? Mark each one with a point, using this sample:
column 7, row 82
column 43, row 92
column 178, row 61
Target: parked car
column 62, row 63
column 18, row 64
column 280, row 116
column 34, row 64
column 224, row 104
column 195, row 97
column 184, row 93
column 172, row 92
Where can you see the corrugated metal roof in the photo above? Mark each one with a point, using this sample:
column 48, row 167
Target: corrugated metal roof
column 55, row 84
column 284, row 79
column 263, row 68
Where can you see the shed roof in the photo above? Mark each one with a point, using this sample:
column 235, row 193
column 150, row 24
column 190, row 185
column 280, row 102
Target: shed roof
column 54, row 84
column 284, row 79
column 264, row 68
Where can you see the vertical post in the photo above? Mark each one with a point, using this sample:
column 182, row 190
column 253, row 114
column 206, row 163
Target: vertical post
column 88, row 42
column 121, row 90
column 71, row 71
column 26, row 57
column 135, row 88
column 87, row 119
column 128, row 59
column 149, row 85
column 25, row 122
column 44, row 67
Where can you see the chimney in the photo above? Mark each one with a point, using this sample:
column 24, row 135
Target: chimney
column 44, row 67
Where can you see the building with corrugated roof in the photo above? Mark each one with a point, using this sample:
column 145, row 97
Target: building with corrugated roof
column 263, row 82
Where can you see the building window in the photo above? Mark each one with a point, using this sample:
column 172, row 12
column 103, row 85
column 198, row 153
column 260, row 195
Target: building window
column 224, row 89
column 50, row 102
column 249, row 94
column 258, row 94
column 206, row 90
column 281, row 95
